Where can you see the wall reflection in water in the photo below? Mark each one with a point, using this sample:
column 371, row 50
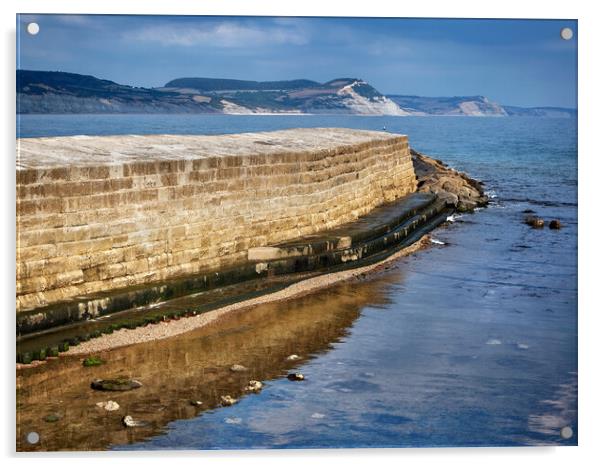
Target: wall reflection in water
column 194, row 366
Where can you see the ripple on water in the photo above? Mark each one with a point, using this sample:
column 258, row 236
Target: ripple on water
column 355, row 385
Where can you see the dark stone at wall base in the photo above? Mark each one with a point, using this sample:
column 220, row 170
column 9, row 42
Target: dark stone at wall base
column 555, row 225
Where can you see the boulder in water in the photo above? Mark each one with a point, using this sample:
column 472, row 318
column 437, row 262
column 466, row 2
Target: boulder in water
column 534, row 222
column 129, row 421
column 238, row 368
column 227, row 400
column 254, row 386
column 115, row 385
column 555, row 224
column 108, row 405
column 296, row 377
column 466, row 205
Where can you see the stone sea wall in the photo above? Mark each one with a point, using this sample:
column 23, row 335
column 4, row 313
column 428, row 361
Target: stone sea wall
column 105, row 213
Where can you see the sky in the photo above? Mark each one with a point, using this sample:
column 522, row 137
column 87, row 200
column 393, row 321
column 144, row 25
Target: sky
column 512, row 62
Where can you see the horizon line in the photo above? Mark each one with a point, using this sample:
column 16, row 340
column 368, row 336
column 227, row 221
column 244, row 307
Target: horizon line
column 395, row 94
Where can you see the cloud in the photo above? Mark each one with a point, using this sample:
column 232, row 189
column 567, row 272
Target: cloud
column 76, row 20
column 224, row 34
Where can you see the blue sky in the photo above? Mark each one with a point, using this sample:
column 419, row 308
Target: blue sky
column 513, row 62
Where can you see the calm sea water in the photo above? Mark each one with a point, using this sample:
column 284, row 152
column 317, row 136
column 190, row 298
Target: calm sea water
column 470, row 343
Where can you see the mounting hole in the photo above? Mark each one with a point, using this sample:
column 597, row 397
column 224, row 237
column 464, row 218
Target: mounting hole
column 566, row 432
column 566, row 33
column 33, row 438
column 33, row 28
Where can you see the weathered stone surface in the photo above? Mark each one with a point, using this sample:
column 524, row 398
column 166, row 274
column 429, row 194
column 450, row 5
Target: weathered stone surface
column 105, row 213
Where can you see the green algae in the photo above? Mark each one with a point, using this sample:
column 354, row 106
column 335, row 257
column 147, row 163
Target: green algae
column 92, row 361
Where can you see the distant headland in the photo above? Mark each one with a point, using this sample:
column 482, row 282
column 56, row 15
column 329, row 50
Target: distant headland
column 50, row 92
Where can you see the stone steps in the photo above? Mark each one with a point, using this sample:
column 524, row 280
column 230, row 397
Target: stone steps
column 377, row 223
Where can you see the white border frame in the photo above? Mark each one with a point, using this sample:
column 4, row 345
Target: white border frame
column 590, row 154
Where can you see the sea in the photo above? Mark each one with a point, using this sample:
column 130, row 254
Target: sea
column 470, row 342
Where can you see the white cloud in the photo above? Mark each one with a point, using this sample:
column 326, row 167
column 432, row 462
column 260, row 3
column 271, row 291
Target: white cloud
column 76, row 20
column 225, row 34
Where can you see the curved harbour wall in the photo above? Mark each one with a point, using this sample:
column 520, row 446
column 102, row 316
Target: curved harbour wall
column 105, row 213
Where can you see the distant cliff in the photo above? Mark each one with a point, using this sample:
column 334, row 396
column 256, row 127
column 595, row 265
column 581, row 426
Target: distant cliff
column 59, row 92
column 555, row 112
column 473, row 106
column 466, row 106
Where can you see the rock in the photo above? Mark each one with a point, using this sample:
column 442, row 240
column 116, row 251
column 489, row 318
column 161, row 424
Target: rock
column 53, row 417
column 196, row 402
column 129, row 421
column 555, row 224
column 26, row 357
column 108, row 405
column 227, row 400
column 63, row 346
column 534, row 222
column 254, row 386
column 449, row 198
column 238, row 368
column 115, row 385
column 454, row 187
column 92, row 361
column 466, row 205
column 293, row 357
column 39, row 355
column 296, row 376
